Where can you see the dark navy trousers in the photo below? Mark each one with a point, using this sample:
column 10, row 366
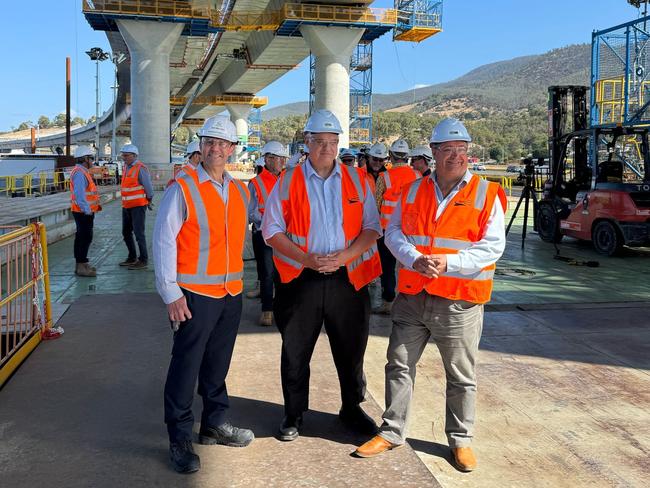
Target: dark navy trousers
column 264, row 262
column 133, row 223
column 202, row 349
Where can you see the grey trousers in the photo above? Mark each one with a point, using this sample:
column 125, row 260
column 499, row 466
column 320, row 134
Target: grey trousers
column 455, row 327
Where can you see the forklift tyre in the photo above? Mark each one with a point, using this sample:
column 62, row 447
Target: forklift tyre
column 548, row 222
column 606, row 238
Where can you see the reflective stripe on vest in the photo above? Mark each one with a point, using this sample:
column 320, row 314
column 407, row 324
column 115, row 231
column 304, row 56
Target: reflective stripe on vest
column 211, row 241
column 133, row 194
column 92, row 195
column 395, row 179
column 263, row 183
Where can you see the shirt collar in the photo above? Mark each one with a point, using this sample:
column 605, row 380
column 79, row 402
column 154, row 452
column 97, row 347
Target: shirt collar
column 461, row 184
column 204, row 176
column 310, row 171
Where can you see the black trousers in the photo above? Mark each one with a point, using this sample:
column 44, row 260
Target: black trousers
column 265, row 269
column 133, row 223
column 84, row 235
column 388, row 262
column 202, row 349
column 301, row 308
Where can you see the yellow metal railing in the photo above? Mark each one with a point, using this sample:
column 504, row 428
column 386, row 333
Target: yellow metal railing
column 610, row 98
column 167, row 8
column 338, row 13
column 220, row 100
column 25, row 304
column 30, row 184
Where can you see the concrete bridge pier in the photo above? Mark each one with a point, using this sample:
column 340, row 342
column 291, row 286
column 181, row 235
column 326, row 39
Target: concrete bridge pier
column 332, row 47
column 239, row 116
column 150, row 44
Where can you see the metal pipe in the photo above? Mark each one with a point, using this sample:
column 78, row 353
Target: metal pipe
column 67, row 106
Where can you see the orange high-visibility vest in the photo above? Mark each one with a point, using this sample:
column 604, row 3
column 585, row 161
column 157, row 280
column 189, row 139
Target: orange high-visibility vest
column 92, row 195
column 263, row 183
column 177, row 171
column 133, row 194
column 396, row 179
column 462, row 223
column 210, row 243
column 371, row 181
column 295, row 208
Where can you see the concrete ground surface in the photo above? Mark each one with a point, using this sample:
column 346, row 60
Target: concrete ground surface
column 563, row 397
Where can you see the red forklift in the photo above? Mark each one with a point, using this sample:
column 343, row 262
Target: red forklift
column 598, row 183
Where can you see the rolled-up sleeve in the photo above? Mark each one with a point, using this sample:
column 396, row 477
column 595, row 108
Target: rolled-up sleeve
column 273, row 220
column 396, row 241
column 169, row 221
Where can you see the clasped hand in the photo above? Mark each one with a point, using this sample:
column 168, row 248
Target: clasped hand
column 324, row 263
column 431, row 265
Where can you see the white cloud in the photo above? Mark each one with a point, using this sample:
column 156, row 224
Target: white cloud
column 419, row 85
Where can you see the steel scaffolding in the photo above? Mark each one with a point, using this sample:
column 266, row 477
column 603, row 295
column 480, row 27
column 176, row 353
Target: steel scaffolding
column 254, row 129
column 361, row 94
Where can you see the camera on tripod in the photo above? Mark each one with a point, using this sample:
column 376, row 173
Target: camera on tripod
column 530, row 163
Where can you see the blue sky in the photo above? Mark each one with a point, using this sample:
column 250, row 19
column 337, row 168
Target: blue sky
column 36, row 37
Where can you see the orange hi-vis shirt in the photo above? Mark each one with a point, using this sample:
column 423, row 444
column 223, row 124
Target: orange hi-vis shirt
column 462, row 223
column 210, row 243
column 263, row 183
column 92, row 195
column 296, row 211
column 133, row 194
column 370, row 180
column 396, row 179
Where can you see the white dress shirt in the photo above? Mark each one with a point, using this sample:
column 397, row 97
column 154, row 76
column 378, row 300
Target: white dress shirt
column 480, row 254
column 326, row 212
column 171, row 216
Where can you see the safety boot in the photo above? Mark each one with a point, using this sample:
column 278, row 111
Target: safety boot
column 266, row 319
column 84, row 269
column 255, row 292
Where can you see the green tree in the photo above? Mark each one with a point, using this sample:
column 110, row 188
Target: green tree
column 59, row 120
column 44, row 122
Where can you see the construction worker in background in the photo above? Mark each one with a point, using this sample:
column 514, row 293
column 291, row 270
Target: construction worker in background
column 193, row 158
column 421, row 160
column 389, row 188
column 260, row 187
column 448, row 232
column 198, row 245
column 362, row 156
column 347, row 157
column 377, row 157
column 322, row 223
column 259, row 165
column 84, row 205
column 137, row 195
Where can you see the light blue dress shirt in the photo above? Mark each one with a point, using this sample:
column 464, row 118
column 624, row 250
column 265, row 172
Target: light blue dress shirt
column 326, row 212
column 80, row 183
column 144, row 178
column 254, row 214
column 483, row 253
column 171, row 216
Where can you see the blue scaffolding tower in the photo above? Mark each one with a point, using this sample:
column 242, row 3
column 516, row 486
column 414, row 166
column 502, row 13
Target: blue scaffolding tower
column 361, row 94
column 254, row 130
column 417, row 19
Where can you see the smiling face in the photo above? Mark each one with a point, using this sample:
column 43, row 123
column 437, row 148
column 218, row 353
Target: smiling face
column 215, row 152
column 274, row 163
column 323, row 147
column 451, row 161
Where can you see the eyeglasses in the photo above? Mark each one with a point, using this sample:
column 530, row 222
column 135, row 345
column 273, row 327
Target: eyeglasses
column 323, row 143
column 419, row 158
column 448, row 151
column 220, row 143
column 348, row 160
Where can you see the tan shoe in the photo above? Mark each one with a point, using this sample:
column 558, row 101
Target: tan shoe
column 84, row 269
column 375, row 447
column 266, row 319
column 464, row 458
column 255, row 292
column 384, row 308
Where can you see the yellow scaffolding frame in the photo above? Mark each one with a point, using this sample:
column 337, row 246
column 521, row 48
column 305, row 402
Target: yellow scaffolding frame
column 610, row 99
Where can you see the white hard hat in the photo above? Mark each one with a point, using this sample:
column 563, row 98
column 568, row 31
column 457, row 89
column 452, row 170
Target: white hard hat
column 449, row 129
column 276, row 148
column 293, row 160
column 378, row 150
column 219, row 127
column 345, row 152
column 423, row 151
column 260, row 161
column 192, row 147
column 81, row 151
column 323, row 121
column 400, row 146
column 130, row 148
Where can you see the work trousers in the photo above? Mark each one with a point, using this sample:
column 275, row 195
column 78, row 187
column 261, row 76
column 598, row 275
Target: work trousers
column 455, row 327
column 264, row 262
column 388, row 262
column 133, row 223
column 83, row 236
column 202, row 349
column 301, row 307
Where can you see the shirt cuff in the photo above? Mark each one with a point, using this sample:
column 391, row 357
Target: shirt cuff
column 170, row 293
column 453, row 263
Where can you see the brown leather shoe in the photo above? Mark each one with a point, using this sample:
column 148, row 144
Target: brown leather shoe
column 266, row 319
column 464, row 458
column 375, row 446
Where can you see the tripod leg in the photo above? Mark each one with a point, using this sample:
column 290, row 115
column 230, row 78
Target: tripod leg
column 523, row 232
column 514, row 214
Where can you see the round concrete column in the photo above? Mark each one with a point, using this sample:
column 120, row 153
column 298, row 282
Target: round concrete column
column 150, row 44
column 332, row 48
column 239, row 116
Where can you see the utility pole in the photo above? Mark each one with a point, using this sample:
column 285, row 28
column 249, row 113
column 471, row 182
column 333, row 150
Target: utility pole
column 97, row 54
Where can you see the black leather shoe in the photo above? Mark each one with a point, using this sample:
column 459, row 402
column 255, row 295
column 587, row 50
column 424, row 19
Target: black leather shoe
column 183, row 458
column 355, row 419
column 227, row 435
column 290, row 428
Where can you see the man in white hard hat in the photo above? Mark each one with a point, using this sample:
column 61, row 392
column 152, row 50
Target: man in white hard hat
column 85, row 204
column 322, row 223
column 259, row 165
column 447, row 231
column 347, row 156
column 421, row 159
column 198, row 245
column 274, row 157
column 389, row 187
column 137, row 195
column 193, row 158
